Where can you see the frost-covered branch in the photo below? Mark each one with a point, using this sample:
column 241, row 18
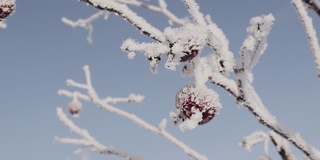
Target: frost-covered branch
column 310, row 30
column 87, row 140
column 256, row 107
column 280, row 143
column 282, row 146
column 92, row 96
column 183, row 45
column 162, row 8
column 314, row 4
column 86, row 23
column 125, row 12
column 251, row 51
column 195, row 13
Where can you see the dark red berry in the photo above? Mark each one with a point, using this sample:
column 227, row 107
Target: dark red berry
column 6, row 8
column 191, row 99
column 74, row 108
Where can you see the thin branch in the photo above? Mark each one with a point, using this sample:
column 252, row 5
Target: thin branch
column 256, row 107
column 314, row 4
column 104, row 104
column 85, row 23
column 125, row 12
column 161, row 9
column 310, row 31
column 280, row 143
column 282, row 146
column 88, row 140
column 196, row 15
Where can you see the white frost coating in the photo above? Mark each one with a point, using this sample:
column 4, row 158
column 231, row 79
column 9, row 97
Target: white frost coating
column 253, row 139
column 3, row 24
column 136, row 98
column 163, row 124
column 282, row 144
column 310, row 31
column 161, row 9
column 265, row 116
column 131, row 16
column 133, row 98
column 151, row 51
column 185, row 41
column 201, row 72
column 256, row 42
column 86, row 23
column 223, row 81
column 219, row 42
column 131, row 55
column 87, row 140
column 196, row 15
column 104, row 104
column 191, row 122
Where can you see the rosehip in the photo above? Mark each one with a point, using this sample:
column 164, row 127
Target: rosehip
column 75, row 107
column 192, row 99
column 6, row 8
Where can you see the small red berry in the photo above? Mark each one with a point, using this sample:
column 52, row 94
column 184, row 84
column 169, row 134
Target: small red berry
column 74, row 108
column 6, row 8
column 192, row 100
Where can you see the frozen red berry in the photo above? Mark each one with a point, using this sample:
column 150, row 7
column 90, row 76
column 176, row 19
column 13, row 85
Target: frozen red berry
column 74, row 108
column 197, row 103
column 6, row 8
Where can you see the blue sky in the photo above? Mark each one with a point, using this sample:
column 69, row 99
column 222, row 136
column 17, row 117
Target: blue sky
column 39, row 53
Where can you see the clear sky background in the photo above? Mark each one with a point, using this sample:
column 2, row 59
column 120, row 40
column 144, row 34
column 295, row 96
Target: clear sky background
column 38, row 53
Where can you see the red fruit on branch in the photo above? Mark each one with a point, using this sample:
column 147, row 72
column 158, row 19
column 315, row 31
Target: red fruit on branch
column 74, row 108
column 6, row 8
column 192, row 99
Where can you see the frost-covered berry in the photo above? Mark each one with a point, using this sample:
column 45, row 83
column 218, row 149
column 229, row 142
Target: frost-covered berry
column 74, row 108
column 197, row 104
column 6, row 8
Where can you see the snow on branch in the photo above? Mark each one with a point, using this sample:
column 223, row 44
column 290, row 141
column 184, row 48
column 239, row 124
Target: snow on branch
column 93, row 97
column 87, row 140
column 86, row 23
column 184, row 44
column 310, row 31
column 314, row 4
column 162, row 8
column 125, row 12
column 254, row 104
column 256, row 42
column 218, row 41
column 280, row 143
column 196, row 15
column 245, row 93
